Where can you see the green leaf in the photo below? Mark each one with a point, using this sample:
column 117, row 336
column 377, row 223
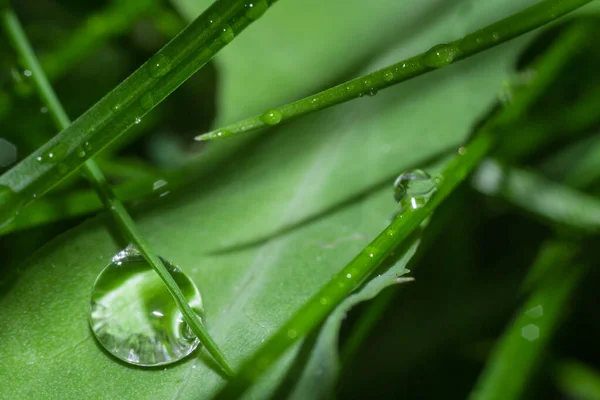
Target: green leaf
column 272, row 218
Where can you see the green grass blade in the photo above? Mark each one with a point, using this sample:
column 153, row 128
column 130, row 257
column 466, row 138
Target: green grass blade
column 123, row 107
column 113, row 204
column 553, row 277
column 438, row 56
column 353, row 274
column 578, row 381
column 551, row 202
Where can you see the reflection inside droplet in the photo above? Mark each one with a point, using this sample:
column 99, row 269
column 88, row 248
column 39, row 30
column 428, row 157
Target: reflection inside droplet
column 133, row 315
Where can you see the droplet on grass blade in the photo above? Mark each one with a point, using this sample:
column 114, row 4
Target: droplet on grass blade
column 133, row 315
column 413, row 189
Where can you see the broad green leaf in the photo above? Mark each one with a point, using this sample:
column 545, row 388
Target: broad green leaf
column 273, row 218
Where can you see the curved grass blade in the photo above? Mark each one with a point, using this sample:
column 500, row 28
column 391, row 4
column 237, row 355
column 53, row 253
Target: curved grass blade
column 124, row 106
column 438, row 56
column 96, row 178
column 578, row 381
column 553, row 278
column 324, row 301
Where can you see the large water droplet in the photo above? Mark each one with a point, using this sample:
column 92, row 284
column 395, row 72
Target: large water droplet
column 271, row 117
column 159, row 65
column 54, row 154
column 440, row 55
column 227, row 35
column 133, row 315
column 413, row 189
column 256, row 9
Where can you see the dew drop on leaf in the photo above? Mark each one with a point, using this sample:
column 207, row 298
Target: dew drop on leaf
column 271, row 117
column 413, row 189
column 440, row 55
column 159, row 65
column 133, row 315
column 147, row 102
column 54, row 154
column 227, row 35
column 256, row 9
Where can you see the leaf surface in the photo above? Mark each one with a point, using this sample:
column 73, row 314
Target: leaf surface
column 277, row 213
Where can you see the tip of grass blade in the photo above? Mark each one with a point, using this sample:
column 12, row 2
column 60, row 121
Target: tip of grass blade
column 221, row 133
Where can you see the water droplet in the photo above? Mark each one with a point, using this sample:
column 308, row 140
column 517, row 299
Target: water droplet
column 54, row 154
column 271, row 117
column 27, row 73
column 87, row 146
column 133, row 315
column 372, row 91
column 147, row 102
column 495, row 36
column 159, row 65
column 138, row 120
column 256, row 9
column 388, row 76
column 413, row 189
column 227, row 35
column 292, row 333
column 440, row 55
column 117, row 108
column 44, row 110
column 324, row 301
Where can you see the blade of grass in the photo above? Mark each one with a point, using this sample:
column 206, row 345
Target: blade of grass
column 91, row 170
column 551, row 281
column 438, row 56
column 123, row 107
column 352, row 275
column 551, row 202
column 578, row 381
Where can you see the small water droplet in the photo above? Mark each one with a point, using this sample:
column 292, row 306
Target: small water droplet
column 147, row 102
column 271, row 117
column 256, row 9
column 495, row 36
column 324, row 301
column 44, row 110
column 349, row 276
column 227, row 35
column 138, row 120
column 87, row 146
column 292, row 333
column 440, row 55
column 133, row 315
column 27, row 73
column 117, row 108
column 372, row 91
column 54, row 154
column 413, row 189
column 159, row 65
column 158, row 184
column 350, row 87
column 388, row 76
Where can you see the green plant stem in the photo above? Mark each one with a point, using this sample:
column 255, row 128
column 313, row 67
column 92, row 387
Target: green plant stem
column 124, row 106
column 551, row 281
column 353, row 274
column 93, row 173
column 438, row 56
column 578, row 381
